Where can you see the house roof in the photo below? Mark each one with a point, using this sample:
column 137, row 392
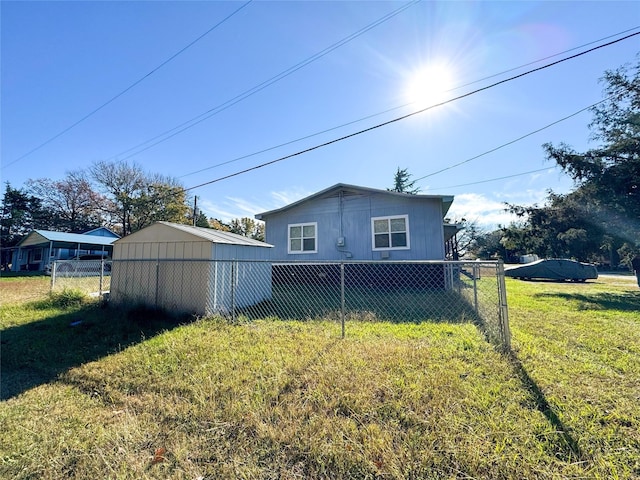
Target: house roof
column 208, row 234
column 103, row 232
column 347, row 189
column 64, row 240
column 450, row 229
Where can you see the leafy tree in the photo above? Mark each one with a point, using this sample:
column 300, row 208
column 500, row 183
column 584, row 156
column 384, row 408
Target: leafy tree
column 561, row 228
column 202, row 220
column 248, row 227
column 71, row 203
column 607, row 178
column 260, row 232
column 600, row 218
column 402, row 182
column 21, row 213
column 159, row 199
column 219, row 225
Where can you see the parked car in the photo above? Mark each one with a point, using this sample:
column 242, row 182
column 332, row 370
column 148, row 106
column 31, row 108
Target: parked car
column 553, row 269
column 82, row 265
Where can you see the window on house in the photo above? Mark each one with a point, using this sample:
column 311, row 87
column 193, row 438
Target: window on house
column 34, row 255
column 302, row 238
column 390, row 232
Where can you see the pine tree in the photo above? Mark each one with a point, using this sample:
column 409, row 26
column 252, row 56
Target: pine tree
column 402, row 182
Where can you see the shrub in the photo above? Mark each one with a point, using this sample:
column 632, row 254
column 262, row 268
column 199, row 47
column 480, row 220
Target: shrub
column 66, row 298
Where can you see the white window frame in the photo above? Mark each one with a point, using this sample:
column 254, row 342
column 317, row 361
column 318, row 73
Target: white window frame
column 388, row 218
column 302, row 225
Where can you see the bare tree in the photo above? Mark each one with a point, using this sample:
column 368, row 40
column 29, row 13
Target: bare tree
column 71, row 203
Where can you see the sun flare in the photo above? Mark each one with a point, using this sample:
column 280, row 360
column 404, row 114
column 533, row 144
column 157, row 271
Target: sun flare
column 430, row 86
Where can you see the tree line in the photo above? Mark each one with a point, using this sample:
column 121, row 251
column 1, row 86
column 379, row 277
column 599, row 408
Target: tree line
column 599, row 220
column 119, row 195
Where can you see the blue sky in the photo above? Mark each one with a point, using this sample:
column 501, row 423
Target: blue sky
column 63, row 60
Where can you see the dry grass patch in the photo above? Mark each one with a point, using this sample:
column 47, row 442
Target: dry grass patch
column 289, row 399
column 14, row 289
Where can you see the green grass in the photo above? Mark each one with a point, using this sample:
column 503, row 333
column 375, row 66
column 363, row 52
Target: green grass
column 307, row 302
column 581, row 345
column 94, row 393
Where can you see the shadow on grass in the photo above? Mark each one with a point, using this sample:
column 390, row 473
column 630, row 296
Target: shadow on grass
column 399, row 305
column 36, row 353
column 624, row 302
column 568, row 449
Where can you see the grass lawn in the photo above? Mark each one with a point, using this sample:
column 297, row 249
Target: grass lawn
column 89, row 392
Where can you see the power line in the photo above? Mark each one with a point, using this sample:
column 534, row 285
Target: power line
column 403, row 117
column 184, row 190
column 496, row 179
column 552, row 56
column 172, row 132
column 182, row 50
column 514, row 140
column 394, row 109
column 289, row 142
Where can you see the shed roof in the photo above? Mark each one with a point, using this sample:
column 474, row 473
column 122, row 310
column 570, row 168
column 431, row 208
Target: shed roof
column 347, row 189
column 63, row 239
column 208, row 234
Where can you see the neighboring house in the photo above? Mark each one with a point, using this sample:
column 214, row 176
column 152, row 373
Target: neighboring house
column 40, row 248
column 348, row 222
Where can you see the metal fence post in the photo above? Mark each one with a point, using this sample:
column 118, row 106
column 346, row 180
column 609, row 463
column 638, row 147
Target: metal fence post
column 233, row 291
column 53, row 276
column 475, row 287
column 503, row 313
column 157, row 282
column 342, row 306
column 101, row 277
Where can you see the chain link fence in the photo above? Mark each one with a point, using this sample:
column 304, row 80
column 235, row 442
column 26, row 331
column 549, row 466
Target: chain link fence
column 92, row 277
column 342, row 291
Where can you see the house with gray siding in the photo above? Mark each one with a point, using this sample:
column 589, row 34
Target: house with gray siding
column 349, row 222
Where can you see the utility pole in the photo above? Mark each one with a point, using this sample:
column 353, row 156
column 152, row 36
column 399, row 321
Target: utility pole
column 195, row 209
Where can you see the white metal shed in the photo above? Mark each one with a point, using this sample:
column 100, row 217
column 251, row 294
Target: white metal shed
column 181, row 268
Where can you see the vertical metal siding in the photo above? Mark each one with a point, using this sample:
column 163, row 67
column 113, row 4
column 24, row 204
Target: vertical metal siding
column 425, row 227
column 196, row 284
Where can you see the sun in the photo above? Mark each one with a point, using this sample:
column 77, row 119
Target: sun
column 430, row 85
